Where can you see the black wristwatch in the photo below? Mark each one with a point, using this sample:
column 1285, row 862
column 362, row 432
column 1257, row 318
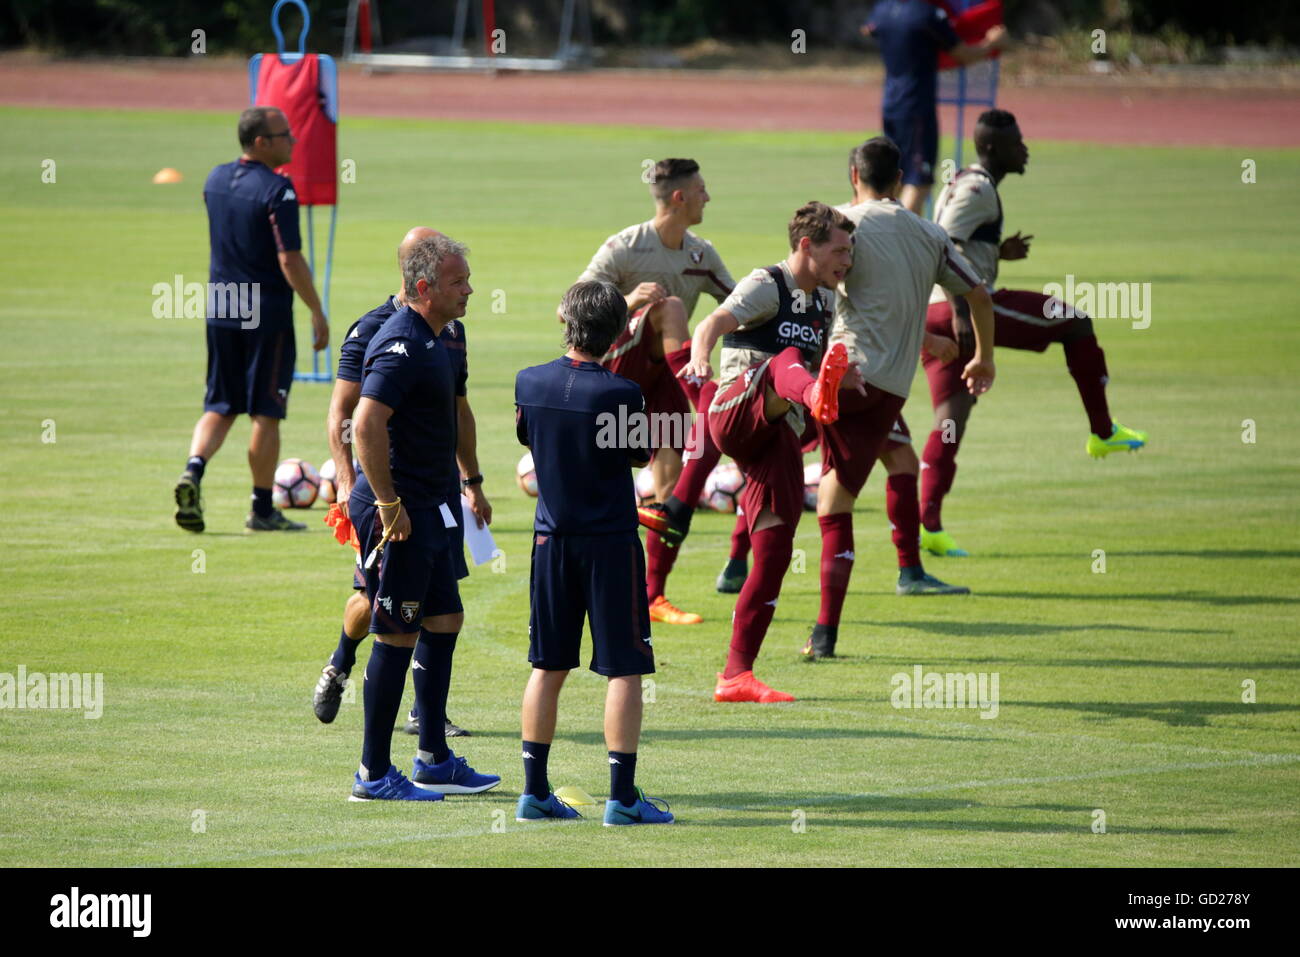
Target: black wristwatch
column 472, row 480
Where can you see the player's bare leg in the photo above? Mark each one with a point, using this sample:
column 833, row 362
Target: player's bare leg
column 627, row 803
column 264, row 450
column 209, row 432
column 263, row 456
column 904, row 511
column 537, row 721
column 950, row 417
column 665, row 467
column 668, row 319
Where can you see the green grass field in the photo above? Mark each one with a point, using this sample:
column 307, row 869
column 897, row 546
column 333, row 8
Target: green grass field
column 1120, row 691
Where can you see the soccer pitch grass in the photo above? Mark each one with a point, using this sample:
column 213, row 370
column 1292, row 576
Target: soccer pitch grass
column 1120, row 692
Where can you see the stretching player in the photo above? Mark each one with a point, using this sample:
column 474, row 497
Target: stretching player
column 405, row 436
column 587, row 560
column 343, row 402
column 661, row 268
column 880, row 317
column 773, row 328
column 970, row 211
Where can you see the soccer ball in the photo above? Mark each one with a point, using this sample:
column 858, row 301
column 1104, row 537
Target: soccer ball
column 526, row 475
column 645, row 487
column 722, row 488
column 812, row 478
column 328, row 487
column 297, row 483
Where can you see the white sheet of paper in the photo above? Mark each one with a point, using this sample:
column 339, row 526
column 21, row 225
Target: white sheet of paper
column 480, row 541
column 448, row 519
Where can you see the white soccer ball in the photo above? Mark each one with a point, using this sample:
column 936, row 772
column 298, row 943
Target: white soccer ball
column 328, row 482
column 526, row 475
column 812, row 477
column 645, row 486
column 297, row 483
column 723, row 486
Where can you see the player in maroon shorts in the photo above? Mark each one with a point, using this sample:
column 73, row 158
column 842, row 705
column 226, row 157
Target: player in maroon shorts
column 970, row 211
column 773, row 328
column 880, row 318
column 661, row 268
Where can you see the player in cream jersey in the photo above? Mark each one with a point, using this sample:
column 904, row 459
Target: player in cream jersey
column 879, row 317
column 970, row 212
column 661, row 268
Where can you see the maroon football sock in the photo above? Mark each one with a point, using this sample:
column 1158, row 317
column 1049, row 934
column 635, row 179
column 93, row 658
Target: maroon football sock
column 740, row 540
column 905, row 517
column 691, row 385
column 701, row 457
column 789, row 377
column 756, row 603
column 659, row 559
column 1087, row 365
column 937, row 473
column 837, row 564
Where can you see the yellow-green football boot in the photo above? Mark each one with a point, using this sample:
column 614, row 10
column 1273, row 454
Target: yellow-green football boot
column 1121, row 440
column 941, row 543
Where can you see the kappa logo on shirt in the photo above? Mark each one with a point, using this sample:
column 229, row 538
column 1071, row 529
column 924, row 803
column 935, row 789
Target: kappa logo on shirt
column 290, row 194
column 356, row 334
column 429, row 344
column 399, row 348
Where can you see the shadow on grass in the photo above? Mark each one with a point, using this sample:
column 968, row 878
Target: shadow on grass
column 655, row 735
column 1190, row 597
column 967, row 629
column 1214, row 554
column 1077, row 819
column 1194, row 714
column 964, row 664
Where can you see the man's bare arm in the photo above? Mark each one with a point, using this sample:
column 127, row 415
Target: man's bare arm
column 298, row 274
column 338, row 431
column 467, row 460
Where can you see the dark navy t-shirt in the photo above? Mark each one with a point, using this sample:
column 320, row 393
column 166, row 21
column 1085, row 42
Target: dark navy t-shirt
column 252, row 218
column 911, row 33
column 561, row 409
column 408, row 369
column 356, row 340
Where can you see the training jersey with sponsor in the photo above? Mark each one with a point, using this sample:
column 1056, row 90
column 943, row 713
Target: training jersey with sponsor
column 356, row 340
column 970, row 212
column 407, row 368
column 880, row 304
column 637, row 254
column 910, row 33
column 580, row 420
column 252, row 218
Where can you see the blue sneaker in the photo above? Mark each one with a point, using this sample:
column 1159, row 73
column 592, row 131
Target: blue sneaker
column 642, row 812
column 393, row 786
column 453, row 776
column 530, row 808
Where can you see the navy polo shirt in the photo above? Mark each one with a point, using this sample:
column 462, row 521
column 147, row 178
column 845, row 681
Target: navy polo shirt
column 252, row 218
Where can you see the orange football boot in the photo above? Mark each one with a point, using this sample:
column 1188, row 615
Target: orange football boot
column 662, row 610
column 745, row 687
